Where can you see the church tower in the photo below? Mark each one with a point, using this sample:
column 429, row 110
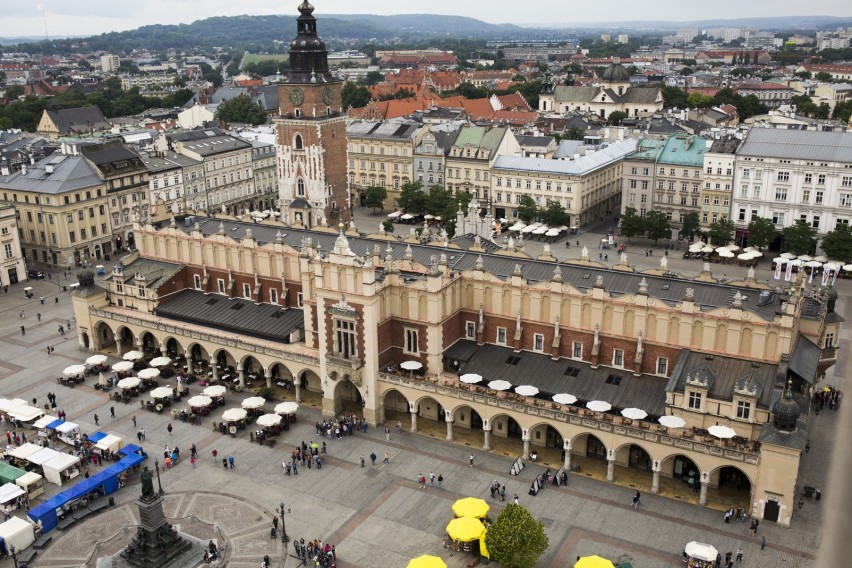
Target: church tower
column 311, row 134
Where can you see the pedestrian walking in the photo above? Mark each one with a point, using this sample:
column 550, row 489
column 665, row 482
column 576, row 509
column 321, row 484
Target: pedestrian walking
column 112, row 412
column 431, row 479
column 143, row 437
column 440, row 481
column 96, row 419
column 373, row 457
column 740, row 554
column 399, row 426
column 387, row 434
column 38, row 316
column 517, row 502
column 231, row 461
column 386, row 458
column 636, row 500
column 134, row 421
column 169, row 428
column 471, row 460
column 503, row 492
column 23, row 330
column 763, row 543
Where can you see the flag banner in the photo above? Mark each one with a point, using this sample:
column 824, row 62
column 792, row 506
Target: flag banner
column 778, row 267
column 789, row 275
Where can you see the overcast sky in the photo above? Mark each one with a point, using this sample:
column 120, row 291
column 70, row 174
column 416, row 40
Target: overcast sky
column 88, row 17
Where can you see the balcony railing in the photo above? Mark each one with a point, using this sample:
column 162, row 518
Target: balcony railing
column 449, row 386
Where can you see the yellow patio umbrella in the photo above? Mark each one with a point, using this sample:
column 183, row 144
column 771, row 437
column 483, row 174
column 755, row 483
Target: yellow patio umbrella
column 465, row 529
column 483, row 550
column 471, row 507
column 426, row 561
column 593, row 561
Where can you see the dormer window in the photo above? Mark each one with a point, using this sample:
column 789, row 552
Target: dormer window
column 694, row 400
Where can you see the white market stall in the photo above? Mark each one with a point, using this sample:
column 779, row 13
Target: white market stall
column 61, row 468
column 9, row 493
column 42, row 423
column 32, row 483
column 42, row 456
column 109, row 444
column 68, row 432
column 24, row 451
column 26, row 415
column 18, row 533
column 6, row 405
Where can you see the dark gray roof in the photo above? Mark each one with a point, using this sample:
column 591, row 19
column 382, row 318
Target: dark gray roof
column 619, row 387
column 70, row 173
column 668, row 289
column 805, row 359
column 797, row 439
column 468, row 240
column 83, row 119
column 725, row 146
column 539, row 141
column 156, row 272
column 798, row 145
column 724, row 373
column 266, row 321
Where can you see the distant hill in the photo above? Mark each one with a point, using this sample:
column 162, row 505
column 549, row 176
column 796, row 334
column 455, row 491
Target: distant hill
column 774, row 23
column 258, row 33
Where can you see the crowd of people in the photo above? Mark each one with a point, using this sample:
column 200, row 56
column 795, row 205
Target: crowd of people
column 318, row 554
column 341, row 426
column 828, row 395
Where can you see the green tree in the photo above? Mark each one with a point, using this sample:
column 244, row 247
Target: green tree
column 438, row 200
column 241, row 109
column 14, row 91
column 800, row 238
column 690, row 227
column 527, row 209
column 823, row 76
column 355, row 96
column 721, row 232
column 632, row 225
column 697, row 100
column 412, row 198
column 375, row 197
column 373, row 78
column 554, row 215
column 574, row 133
column 686, row 71
column 837, row 244
column 516, row 539
column 657, row 226
column 674, row 97
column 387, row 226
column 803, row 74
column 761, row 232
column 615, row 117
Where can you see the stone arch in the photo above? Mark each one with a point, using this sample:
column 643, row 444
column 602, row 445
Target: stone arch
column 547, row 435
column 250, row 364
column 745, row 340
column 197, row 353
column 395, row 407
column 633, row 455
column 347, row 397
column 429, row 408
column 468, row 417
column 487, row 298
column 651, row 328
column 674, row 330
column 589, row 445
column 309, row 380
column 721, row 337
column 149, row 341
column 104, row 334
column 224, row 358
column 731, row 486
column 586, row 317
column 697, row 334
column 279, row 372
column 565, row 316
column 172, row 347
column 679, row 466
column 298, row 142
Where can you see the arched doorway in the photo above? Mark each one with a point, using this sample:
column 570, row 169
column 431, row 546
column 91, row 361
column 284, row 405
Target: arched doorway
column 84, row 339
column 680, row 476
column 126, row 338
column 150, row 345
column 396, row 409
column 637, row 458
column 173, row 348
column 252, row 371
column 548, row 445
column 588, row 453
column 729, row 487
column 347, row 398
column 106, row 338
column 199, row 355
column 431, row 417
column 506, row 436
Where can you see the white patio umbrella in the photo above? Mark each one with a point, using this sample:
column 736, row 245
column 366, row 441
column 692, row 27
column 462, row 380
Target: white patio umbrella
column 697, row 247
column 394, row 215
column 149, row 373
column 286, row 407
column 411, row 365
column 214, row 390
column 598, row 405
column 720, row 249
column 162, row 392
column 745, row 256
column 428, row 217
column 540, row 231
column 796, row 262
column 813, row 264
column 755, row 253
column 133, row 355
column 199, row 401
column 500, row 385
column 122, row 366
column 407, row 216
column 552, row 233
column 72, row 370
column 564, row 398
column 268, row 420
column 748, row 249
column 526, row 390
column 253, row 402
column 789, row 255
column 725, row 253
column 701, row 551
column 847, row 267
column 516, row 228
column 234, row 414
column 129, row 383
column 831, row 266
column 707, row 248
column 160, row 362
column 96, row 360
column 672, row 421
column 634, row 413
column 732, row 248
column 722, row 432
column 471, row 378
column 821, row 258
column 806, row 258
column 778, row 259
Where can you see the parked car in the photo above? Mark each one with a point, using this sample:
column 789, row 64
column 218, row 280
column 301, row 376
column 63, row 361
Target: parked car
column 36, row 274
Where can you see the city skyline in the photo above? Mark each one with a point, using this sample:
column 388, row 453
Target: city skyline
column 91, row 17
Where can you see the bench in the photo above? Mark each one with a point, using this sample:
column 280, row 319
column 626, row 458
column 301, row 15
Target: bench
column 42, row 542
column 98, row 506
column 66, row 523
column 26, row 556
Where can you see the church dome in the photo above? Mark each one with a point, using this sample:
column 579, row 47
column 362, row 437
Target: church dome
column 616, row 73
column 786, row 411
column 86, row 277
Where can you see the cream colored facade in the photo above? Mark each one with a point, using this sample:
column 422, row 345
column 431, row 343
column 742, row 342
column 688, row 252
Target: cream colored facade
column 468, row 164
column 364, row 315
column 12, row 266
column 717, row 191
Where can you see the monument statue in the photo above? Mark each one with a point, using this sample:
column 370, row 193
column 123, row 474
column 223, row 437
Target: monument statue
column 147, row 480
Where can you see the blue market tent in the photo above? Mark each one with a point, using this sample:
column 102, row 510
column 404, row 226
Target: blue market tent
column 53, row 425
column 96, row 437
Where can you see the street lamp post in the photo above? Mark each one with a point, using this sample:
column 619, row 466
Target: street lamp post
column 281, row 511
column 14, row 555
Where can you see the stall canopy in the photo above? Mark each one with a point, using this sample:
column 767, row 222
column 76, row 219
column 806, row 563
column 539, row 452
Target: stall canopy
column 97, row 437
column 54, row 467
column 9, row 473
column 44, row 422
column 109, row 443
column 10, row 491
column 18, row 533
column 27, row 479
column 24, row 451
column 6, row 405
column 26, row 413
column 46, row 454
column 130, row 449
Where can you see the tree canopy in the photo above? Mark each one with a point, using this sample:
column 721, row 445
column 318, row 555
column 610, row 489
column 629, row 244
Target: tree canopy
column 690, row 226
column 761, row 232
column 375, row 197
column 800, row 238
column 241, row 109
column 721, row 232
column 412, row 198
column 354, row 95
column 632, row 225
column 657, row 226
column 554, row 215
column 527, row 210
column 837, row 244
column 516, row 539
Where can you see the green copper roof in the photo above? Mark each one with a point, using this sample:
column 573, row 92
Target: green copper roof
column 683, row 150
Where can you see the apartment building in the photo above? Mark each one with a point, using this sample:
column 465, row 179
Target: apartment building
column 380, row 155
column 791, row 175
column 472, row 155
column 265, row 175
column 227, row 164
column 12, row 265
column 170, row 187
column 718, row 180
column 638, row 176
column 588, row 187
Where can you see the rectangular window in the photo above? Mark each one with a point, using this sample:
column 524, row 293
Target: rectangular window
column 577, row 350
column 344, row 338
column 221, row 285
column 818, row 197
column 501, row 336
column 412, row 344
column 470, row 330
column 695, row 400
column 247, row 291
column 780, row 194
column 617, row 358
column 196, row 281
column 783, row 176
column 538, row 342
column 743, row 410
column 662, row 365
column 8, row 249
column 829, row 339
column 778, row 217
column 273, row 296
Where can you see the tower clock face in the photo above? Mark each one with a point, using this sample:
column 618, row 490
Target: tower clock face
column 326, row 95
column 297, row 97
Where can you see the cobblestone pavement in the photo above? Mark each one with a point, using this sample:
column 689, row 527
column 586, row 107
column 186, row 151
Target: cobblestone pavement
column 376, row 516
